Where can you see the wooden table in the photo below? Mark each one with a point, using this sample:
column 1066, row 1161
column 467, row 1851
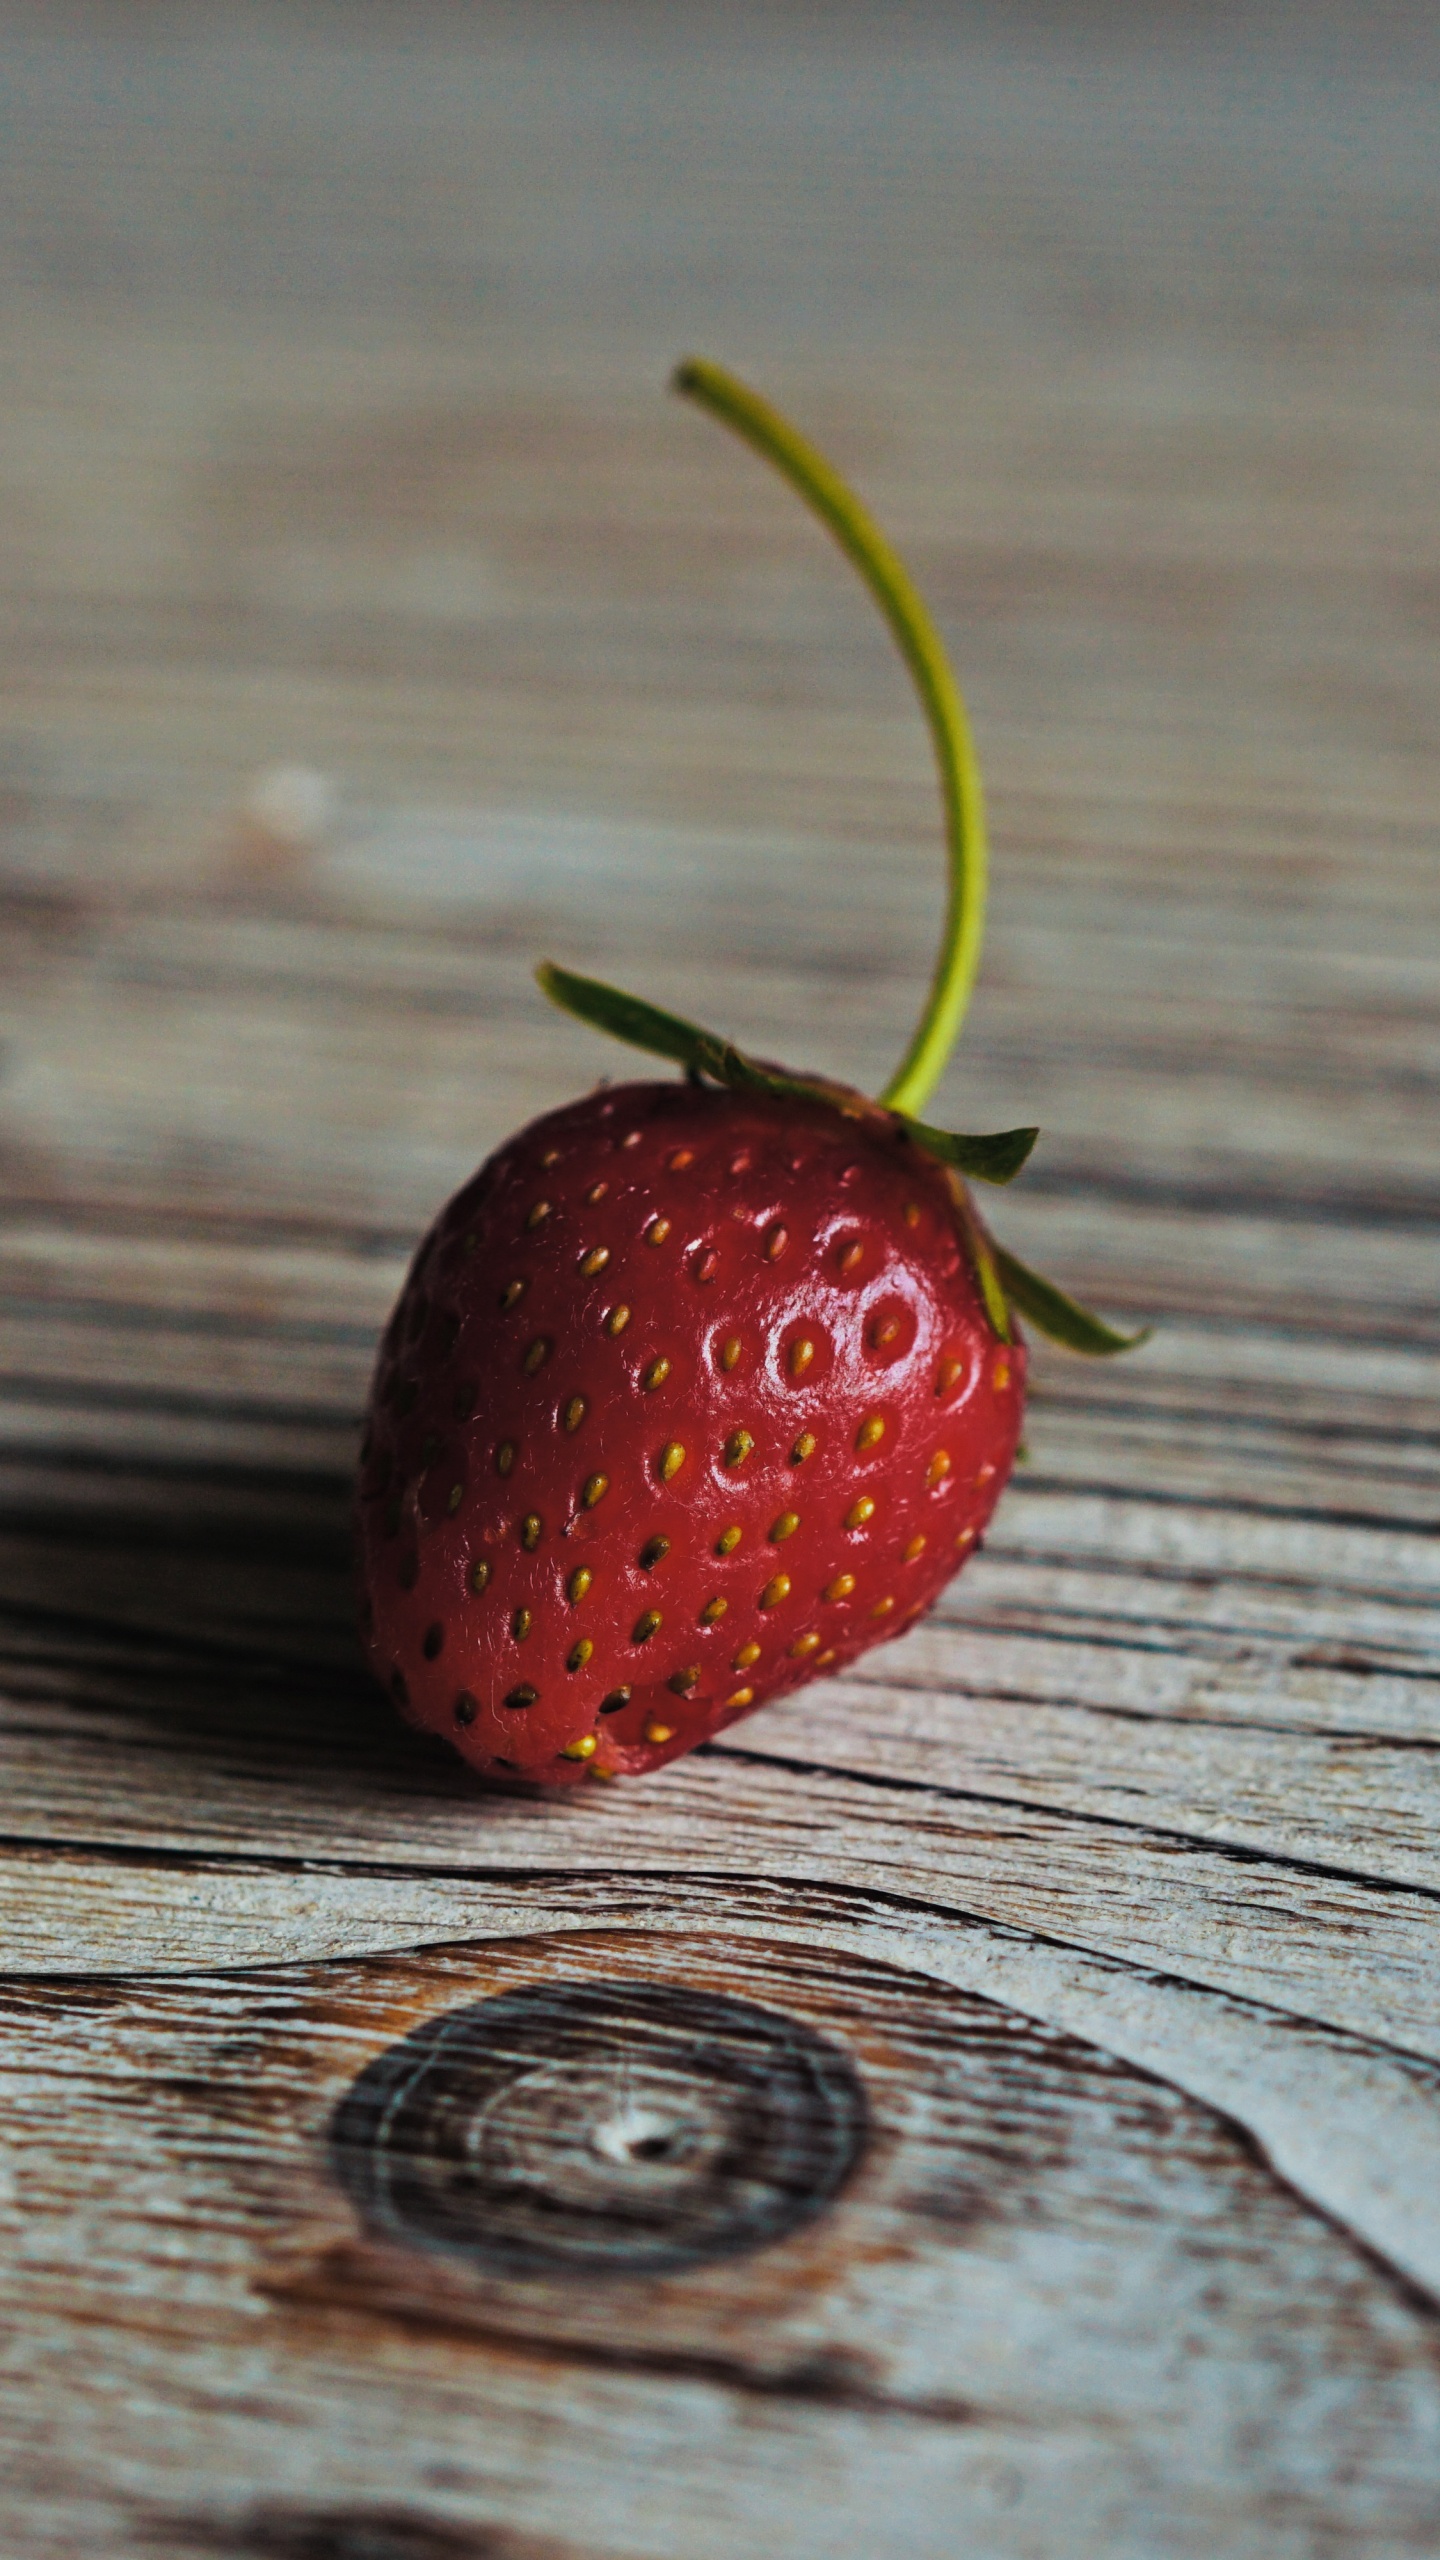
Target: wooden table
column 1076, row 1961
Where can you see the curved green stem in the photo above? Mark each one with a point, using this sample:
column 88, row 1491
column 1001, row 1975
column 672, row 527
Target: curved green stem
column 922, row 649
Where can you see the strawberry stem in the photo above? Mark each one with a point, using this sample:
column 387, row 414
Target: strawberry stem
column 923, row 651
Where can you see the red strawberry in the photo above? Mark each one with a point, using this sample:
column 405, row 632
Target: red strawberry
column 698, row 1389
column 689, row 1395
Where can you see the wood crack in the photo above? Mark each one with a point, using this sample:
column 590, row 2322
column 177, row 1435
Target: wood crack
column 1237, row 1852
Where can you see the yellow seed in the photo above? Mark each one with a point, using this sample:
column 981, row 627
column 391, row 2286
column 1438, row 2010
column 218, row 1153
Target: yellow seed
column 579, row 1654
column 536, row 1356
column 776, row 1590
column 747, row 1654
column 741, row 1698
column 655, row 1731
column 617, row 1319
column 966, row 1538
column 479, row 1574
column 538, row 1214
column 579, row 1582
column 549, row 1158
column 1001, row 1379
column 617, row 1699
column 859, row 1512
column 730, row 1351
column 574, row 1413
column 804, row 1448
column 801, row 1355
column 871, row 1430
column 729, row 1539
column 524, row 1696
column 511, row 1294
column 680, row 1159
column 653, row 1552
column 911, row 1213
column 803, row 1645
column 455, row 1497
column 521, row 1624
column 882, row 1608
column 657, row 1231
column 632, row 1137
column 939, row 1467
column 713, row 1611
column 645, row 1627
column 595, row 1490
column 682, row 1682
column 657, row 1373
column 776, row 1241
column 505, row 1457
column 983, row 1474
column 784, row 1527
column 914, row 1549
column 947, row 1375
column 738, row 1448
column 851, row 1255
column 530, row 1531
column 582, row 1748
column 840, row 1588
column 672, row 1459
column 883, row 1330
column 595, row 1260
column 829, row 1655
column 596, row 1192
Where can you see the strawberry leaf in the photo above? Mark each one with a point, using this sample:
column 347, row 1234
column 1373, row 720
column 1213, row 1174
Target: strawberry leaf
column 994, row 1158
column 629, row 1018
column 984, row 1260
column 1057, row 1315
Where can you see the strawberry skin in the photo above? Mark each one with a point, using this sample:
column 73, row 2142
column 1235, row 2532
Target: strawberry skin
column 690, row 1394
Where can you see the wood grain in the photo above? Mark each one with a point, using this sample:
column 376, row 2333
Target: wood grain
column 332, row 439
column 1054, row 2285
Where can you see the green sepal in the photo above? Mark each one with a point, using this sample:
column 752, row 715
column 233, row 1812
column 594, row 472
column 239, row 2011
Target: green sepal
column 627, row 1017
column 984, row 1259
column 1059, row 1316
column 994, row 1158
column 1003, row 1282
column 997, row 1158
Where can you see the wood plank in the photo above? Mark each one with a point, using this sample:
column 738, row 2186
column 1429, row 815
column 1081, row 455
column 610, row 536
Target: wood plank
column 1115, row 2254
column 331, row 438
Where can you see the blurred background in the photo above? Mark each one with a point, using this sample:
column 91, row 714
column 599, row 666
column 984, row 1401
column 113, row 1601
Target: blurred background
column 375, row 622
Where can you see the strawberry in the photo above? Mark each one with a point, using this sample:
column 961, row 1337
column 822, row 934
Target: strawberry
column 698, row 1389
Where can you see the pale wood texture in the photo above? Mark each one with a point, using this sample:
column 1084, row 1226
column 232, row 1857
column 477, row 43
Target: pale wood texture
column 331, row 435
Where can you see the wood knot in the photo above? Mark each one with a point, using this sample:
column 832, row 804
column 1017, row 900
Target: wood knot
column 626, row 2128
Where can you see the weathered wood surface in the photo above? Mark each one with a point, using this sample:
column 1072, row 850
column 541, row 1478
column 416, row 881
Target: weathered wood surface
column 331, row 437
